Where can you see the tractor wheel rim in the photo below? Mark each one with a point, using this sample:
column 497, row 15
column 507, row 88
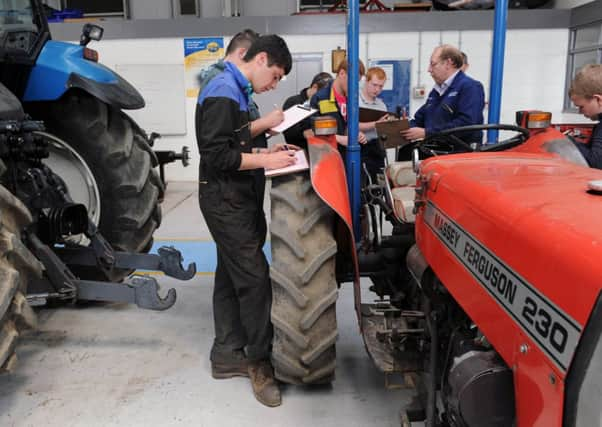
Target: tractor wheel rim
column 65, row 162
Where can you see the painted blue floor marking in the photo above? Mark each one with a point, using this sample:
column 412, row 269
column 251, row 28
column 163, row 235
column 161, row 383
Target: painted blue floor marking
column 201, row 252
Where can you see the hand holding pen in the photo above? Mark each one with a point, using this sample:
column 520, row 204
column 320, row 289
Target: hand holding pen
column 284, row 147
column 281, row 155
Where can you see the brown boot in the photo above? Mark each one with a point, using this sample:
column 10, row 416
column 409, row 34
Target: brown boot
column 265, row 387
column 235, row 366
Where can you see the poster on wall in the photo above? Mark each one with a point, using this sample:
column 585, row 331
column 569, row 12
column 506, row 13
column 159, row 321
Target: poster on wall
column 200, row 53
column 396, row 92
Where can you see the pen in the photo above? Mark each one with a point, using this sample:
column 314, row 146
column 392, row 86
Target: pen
column 303, row 107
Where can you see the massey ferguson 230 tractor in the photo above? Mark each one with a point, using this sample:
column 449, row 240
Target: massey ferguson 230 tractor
column 489, row 283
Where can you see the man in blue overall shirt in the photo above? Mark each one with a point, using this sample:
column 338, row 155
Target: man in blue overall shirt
column 456, row 100
column 242, row 293
column 235, row 52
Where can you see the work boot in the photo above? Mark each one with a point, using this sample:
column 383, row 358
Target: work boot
column 235, row 366
column 265, row 387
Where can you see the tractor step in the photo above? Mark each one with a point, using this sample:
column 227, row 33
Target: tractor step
column 386, row 332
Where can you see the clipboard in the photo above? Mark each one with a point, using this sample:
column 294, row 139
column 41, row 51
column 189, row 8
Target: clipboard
column 292, row 116
column 301, row 164
column 371, row 115
column 389, row 133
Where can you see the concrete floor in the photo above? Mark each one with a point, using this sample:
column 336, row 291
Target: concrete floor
column 117, row 365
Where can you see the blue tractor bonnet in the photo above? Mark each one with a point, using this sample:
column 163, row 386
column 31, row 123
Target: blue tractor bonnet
column 62, row 66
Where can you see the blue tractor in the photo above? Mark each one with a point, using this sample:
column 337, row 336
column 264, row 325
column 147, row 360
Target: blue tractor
column 103, row 156
column 79, row 188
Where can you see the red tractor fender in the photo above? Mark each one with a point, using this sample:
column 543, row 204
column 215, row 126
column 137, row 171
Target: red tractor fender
column 538, row 140
column 329, row 181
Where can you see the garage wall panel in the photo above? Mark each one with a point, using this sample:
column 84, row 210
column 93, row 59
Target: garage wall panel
column 534, row 67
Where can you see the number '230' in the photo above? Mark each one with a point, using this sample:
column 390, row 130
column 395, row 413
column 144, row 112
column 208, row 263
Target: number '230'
column 549, row 330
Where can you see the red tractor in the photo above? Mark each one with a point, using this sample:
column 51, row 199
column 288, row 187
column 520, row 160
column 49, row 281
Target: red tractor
column 488, row 283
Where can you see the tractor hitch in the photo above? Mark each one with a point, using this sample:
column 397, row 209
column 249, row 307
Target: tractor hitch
column 169, row 260
column 140, row 290
column 60, row 282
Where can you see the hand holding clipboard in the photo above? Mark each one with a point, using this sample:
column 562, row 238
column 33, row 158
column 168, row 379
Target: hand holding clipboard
column 390, row 133
column 292, row 116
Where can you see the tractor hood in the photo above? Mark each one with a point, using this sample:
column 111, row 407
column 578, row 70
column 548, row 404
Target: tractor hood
column 533, row 212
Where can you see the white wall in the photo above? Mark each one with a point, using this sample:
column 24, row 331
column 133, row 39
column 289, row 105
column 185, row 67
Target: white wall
column 144, row 9
column 534, row 74
column 267, row 8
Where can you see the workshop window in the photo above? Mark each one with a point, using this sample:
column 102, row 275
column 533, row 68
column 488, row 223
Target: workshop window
column 321, row 5
column 585, row 47
column 186, row 7
column 98, row 8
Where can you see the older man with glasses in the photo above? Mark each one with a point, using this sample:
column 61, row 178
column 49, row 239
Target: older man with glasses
column 456, row 100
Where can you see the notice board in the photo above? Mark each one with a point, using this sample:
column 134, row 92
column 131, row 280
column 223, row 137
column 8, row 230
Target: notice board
column 163, row 89
column 396, row 92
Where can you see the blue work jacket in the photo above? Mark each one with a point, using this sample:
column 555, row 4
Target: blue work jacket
column 461, row 104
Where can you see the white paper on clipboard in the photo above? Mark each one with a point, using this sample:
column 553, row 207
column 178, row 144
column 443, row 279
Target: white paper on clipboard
column 301, row 164
column 292, row 116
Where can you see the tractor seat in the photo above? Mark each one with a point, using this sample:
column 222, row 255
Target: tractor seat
column 403, row 203
column 402, row 179
column 401, row 174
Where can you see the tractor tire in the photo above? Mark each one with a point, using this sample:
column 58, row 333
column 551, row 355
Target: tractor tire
column 17, row 265
column 117, row 152
column 304, row 286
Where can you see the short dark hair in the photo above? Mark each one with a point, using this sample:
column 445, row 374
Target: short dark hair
column 276, row 49
column 464, row 58
column 321, row 79
column 243, row 39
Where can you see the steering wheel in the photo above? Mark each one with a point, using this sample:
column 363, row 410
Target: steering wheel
column 448, row 141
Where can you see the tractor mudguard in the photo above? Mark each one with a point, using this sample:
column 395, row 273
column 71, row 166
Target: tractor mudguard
column 329, row 181
column 62, row 66
column 553, row 142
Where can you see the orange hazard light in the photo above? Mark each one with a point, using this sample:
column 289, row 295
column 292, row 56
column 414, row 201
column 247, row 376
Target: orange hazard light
column 90, row 54
column 324, row 125
column 533, row 119
column 539, row 120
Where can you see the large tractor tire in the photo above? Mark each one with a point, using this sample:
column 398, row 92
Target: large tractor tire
column 122, row 163
column 17, row 266
column 303, row 283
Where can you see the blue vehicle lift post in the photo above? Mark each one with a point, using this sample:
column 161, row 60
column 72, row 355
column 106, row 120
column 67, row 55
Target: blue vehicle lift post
column 497, row 67
column 353, row 147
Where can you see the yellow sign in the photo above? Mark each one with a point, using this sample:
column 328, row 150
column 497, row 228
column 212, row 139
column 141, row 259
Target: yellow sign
column 200, row 53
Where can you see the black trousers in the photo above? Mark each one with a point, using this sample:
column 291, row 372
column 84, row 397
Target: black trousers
column 242, row 295
column 373, row 156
